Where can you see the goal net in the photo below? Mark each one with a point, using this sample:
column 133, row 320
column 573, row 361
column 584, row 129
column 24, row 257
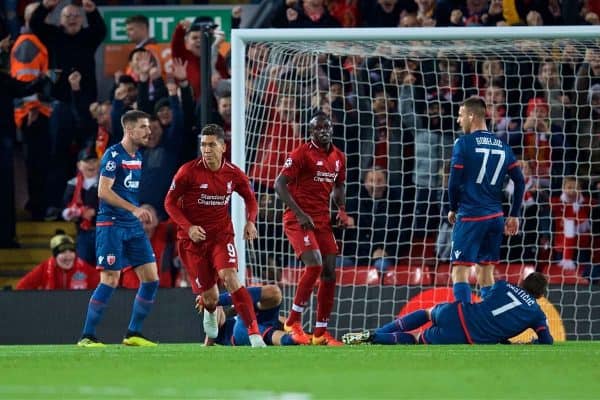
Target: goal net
column 393, row 97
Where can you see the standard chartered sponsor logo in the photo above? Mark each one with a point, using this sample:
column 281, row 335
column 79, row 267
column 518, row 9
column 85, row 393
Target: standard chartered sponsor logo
column 213, row 200
column 323, row 176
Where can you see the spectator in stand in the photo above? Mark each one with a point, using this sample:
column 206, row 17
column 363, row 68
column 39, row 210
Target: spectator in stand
column 409, row 21
column 502, row 125
column 304, row 14
column 550, row 86
column 222, row 116
column 138, row 33
column 382, row 146
column 146, row 71
column 546, row 146
column 517, row 12
column 185, row 44
column 162, row 238
column 11, row 89
column 162, row 153
column 346, row 12
column 81, row 203
column 470, row 14
column 101, row 113
column 64, row 270
column 433, row 13
column 281, row 136
column 430, row 142
column 571, row 212
column 533, row 242
column 588, row 149
column 587, row 87
column 71, row 47
column 28, row 60
column 374, row 235
column 494, row 15
column 124, row 100
column 385, row 13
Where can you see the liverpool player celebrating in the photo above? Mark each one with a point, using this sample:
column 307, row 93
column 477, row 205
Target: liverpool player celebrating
column 309, row 175
column 198, row 201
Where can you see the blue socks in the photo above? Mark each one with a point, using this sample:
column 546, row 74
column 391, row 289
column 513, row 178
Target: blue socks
column 407, row 323
column 393, row 338
column 462, row 292
column 144, row 299
column 96, row 307
column 254, row 292
column 484, row 290
column 286, row 340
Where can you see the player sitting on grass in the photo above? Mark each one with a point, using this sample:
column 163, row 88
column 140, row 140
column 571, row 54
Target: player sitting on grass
column 233, row 331
column 506, row 311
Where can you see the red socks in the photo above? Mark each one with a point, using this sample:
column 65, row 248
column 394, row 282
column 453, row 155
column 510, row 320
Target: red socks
column 325, row 297
column 245, row 309
column 305, row 287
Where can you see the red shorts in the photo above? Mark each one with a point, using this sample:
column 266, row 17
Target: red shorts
column 321, row 238
column 203, row 260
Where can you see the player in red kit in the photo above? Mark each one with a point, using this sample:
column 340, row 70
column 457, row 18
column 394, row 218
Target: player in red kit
column 198, row 201
column 310, row 174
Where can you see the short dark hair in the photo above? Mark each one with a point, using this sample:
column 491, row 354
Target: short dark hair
column 214, row 130
column 536, row 284
column 475, row 105
column 137, row 19
column 320, row 114
column 133, row 116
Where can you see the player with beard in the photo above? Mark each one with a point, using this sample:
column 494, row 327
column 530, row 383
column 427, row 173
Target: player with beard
column 120, row 237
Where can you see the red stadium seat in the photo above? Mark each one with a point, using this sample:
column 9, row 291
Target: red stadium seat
column 351, row 276
column 557, row 275
column 407, row 275
column 345, row 276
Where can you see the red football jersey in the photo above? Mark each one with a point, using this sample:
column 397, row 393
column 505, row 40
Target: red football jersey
column 199, row 196
column 312, row 173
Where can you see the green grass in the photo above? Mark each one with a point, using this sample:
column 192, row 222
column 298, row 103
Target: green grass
column 169, row 371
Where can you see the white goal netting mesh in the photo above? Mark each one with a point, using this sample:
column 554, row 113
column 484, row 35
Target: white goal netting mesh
column 394, row 106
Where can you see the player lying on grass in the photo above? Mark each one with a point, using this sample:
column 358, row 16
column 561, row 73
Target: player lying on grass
column 233, row 331
column 506, row 311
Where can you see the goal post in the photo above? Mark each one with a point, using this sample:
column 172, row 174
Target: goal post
column 394, row 95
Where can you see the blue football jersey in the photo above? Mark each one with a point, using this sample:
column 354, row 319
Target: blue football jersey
column 126, row 170
column 505, row 312
column 484, row 161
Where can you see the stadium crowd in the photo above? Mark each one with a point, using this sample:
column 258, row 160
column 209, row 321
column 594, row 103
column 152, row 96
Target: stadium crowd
column 395, row 118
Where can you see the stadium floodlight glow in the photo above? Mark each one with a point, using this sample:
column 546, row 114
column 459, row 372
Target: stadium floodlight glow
column 420, row 75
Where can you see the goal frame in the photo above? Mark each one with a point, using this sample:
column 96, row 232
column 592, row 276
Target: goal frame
column 240, row 38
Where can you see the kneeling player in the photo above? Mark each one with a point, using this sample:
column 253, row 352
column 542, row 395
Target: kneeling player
column 505, row 312
column 233, row 331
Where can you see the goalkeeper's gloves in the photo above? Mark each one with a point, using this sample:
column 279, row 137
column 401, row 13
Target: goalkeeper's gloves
column 342, row 217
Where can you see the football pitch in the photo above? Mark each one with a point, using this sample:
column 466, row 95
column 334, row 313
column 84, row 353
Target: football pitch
column 189, row 371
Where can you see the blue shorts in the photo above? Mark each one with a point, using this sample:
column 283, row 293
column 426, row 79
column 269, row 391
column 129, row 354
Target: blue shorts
column 446, row 327
column 118, row 247
column 475, row 242
column 267, row 319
